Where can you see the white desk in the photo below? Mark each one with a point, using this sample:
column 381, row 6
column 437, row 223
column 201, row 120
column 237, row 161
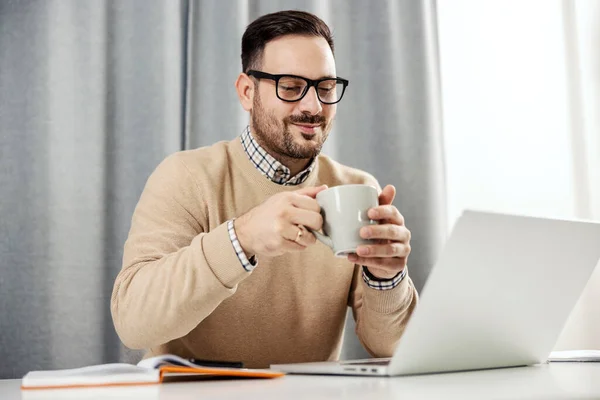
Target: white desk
column 553, row 381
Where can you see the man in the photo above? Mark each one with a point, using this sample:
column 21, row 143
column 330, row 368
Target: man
column 219, row 263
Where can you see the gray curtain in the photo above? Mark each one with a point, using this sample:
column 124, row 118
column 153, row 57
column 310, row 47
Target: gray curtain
column 90, row 103
column 94, row 94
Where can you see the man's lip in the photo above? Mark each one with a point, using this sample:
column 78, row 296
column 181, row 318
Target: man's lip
column 308, row 129
column 308, row 125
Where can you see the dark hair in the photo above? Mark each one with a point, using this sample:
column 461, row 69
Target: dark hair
column 274, row 25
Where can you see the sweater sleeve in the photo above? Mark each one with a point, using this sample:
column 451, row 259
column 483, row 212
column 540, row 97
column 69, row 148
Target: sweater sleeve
column 381, row 315
column 175, row 272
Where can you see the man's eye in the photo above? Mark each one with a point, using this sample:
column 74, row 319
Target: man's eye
column 291, row 88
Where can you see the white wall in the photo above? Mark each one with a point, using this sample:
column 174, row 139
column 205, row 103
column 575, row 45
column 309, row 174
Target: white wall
column 521, row 112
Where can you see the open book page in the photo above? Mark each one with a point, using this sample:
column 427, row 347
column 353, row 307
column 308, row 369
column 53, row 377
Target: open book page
column 151, row 370
column 575, row 356
column 106, row 374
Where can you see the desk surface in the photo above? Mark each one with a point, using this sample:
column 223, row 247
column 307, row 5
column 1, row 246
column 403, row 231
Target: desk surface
column 548, row 381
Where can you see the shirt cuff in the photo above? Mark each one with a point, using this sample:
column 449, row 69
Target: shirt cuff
column 382, row 284
column 248, row 264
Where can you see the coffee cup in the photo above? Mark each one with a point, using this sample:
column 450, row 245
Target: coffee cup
column 344, row 209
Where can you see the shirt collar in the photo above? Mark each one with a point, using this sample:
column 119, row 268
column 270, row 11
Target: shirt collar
column 269, row 166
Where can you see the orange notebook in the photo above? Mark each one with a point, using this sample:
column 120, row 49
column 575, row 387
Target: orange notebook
column 147, row 372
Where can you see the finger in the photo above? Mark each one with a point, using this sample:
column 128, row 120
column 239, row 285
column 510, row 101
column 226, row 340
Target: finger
column 299, row 235
column 309, row 219
column 311, row 191
column 386, row 212
column 392, row 265
column 397, row 233
column 305, row 202
column 307, row 238
column 293, row 237
column 290, row 245
column 285, row 240
column 385, row 250
column 387, row 195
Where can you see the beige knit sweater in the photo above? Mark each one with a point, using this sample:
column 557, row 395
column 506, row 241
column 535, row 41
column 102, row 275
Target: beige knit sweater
column 182, row 289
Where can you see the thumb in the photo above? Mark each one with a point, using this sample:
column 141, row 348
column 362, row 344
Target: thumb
column 387, row 195
column 311, row 191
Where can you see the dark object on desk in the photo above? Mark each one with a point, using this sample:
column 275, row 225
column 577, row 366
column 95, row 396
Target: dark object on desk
column 219, row 364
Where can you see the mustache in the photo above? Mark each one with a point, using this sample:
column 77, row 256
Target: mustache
column 306, row 119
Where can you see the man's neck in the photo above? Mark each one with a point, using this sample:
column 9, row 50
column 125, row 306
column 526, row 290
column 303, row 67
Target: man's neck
column 294, row 164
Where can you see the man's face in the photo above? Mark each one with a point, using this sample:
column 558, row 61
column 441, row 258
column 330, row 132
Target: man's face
column 299, row 129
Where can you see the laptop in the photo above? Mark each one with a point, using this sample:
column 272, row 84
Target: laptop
column 499, row 296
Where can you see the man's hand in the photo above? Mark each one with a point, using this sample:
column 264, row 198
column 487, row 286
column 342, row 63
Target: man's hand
column 272, row 227
column 386, row 259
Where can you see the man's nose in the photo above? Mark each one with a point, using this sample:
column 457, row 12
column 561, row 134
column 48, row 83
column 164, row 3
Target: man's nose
column 310, row 102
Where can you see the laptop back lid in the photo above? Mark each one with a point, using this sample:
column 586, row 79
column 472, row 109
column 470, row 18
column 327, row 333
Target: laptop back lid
column 500, row 293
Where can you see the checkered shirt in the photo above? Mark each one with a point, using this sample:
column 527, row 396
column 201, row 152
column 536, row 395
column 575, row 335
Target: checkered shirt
column 279, row 173
column 269, row 166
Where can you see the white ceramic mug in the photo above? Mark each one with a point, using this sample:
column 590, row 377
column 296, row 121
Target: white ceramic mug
column 344, row 210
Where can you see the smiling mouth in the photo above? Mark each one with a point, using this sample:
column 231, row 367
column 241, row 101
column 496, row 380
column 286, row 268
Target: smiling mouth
column 307, row 128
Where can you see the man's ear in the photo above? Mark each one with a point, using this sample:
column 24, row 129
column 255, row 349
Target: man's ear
column 245, row 90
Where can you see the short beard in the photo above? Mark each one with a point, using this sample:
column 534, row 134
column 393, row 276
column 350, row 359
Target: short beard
column 275, row 135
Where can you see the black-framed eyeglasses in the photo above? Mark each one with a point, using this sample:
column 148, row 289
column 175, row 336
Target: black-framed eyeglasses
column 293, row 88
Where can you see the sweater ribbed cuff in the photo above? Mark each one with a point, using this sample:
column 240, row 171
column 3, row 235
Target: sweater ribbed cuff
column 389, row 301
column 222, row 258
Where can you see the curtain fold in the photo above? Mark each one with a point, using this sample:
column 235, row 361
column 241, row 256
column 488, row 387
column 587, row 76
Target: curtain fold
column 581, row 27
